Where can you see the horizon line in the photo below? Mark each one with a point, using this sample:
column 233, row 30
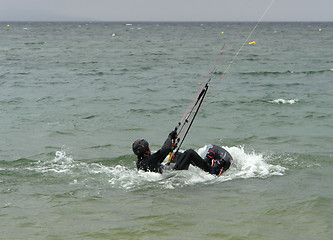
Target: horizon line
column 173, row 21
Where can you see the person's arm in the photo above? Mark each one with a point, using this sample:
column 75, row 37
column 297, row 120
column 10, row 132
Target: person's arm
column 167, row 146
column 162, row 153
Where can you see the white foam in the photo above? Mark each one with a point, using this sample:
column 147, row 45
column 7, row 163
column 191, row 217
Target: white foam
column 61, row 163
column 245, row 165
column 283, row 101
column 61, row 157
column 131, row 178
column 249, row 165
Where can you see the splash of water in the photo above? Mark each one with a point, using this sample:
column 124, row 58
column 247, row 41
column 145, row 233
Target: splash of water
column 245, row 165
column 283, row 101
column 248, row 165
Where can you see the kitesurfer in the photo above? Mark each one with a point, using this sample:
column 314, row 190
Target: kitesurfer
column 217, row 159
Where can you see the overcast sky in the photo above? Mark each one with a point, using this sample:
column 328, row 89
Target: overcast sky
column 165, row 10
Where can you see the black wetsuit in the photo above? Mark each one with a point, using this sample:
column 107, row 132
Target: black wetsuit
column 152, row 163
column 217, row 159
column 183, row 161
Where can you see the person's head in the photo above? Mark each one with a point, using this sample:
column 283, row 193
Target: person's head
column 141, row 148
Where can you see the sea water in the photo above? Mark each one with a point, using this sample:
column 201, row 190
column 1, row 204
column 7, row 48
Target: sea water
column 74, row 96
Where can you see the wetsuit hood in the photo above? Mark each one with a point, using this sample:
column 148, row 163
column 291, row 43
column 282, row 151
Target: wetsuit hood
column 141, row 148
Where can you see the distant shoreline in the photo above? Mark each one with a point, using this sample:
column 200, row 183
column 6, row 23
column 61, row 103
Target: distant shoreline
column 51, row 21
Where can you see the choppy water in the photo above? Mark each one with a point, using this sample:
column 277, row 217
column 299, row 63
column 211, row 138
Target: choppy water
column 74, row 96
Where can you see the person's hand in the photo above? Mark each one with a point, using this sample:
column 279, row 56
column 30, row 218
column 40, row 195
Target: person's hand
column 173, row 135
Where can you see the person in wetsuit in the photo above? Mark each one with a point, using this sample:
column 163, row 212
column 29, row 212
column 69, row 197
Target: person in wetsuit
column 217, row 159
column 152, row 162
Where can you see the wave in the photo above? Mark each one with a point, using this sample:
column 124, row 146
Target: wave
column 310, row 72
column 121, row 173
column 283, row 101
column 92, row 73
column 34, row 43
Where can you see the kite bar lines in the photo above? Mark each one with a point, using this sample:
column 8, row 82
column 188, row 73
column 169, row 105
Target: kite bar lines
column 193, row 109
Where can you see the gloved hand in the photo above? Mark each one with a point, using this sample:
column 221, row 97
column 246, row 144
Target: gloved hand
column 218, row 163
column 173, row 135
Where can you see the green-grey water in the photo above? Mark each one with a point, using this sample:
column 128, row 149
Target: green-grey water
column 74, row 96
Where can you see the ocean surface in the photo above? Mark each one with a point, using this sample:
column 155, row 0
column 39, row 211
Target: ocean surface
column 74, row 97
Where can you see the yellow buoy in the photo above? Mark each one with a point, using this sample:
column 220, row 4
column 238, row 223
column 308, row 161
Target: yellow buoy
column 8, row 26
column 251, row 43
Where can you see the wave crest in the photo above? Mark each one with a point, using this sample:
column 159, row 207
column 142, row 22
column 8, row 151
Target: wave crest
column 283, row 101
